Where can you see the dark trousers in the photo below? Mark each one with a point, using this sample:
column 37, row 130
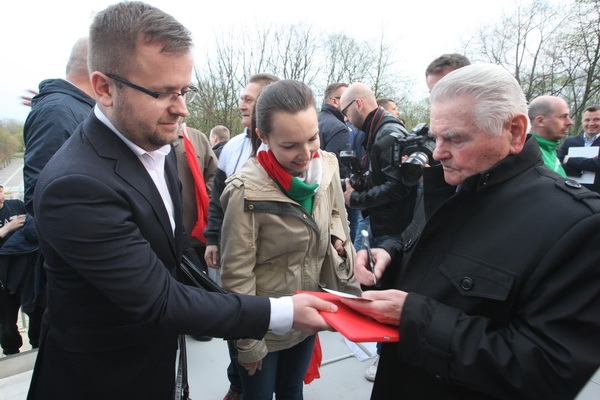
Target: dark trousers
column 200, row 252
column 282, row 373
column 233, row 373
column 10, row 338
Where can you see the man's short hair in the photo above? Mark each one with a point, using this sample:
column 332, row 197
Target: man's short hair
column 543, row 107
column 450, row 61
column 117, row 31
column 332, row 88
column 221, row 132
column 263, row 79
column 384, row 102
column 593, row 108
column 78, row 60
column 497, row 96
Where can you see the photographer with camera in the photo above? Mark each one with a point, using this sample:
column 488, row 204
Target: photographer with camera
column 375, row 185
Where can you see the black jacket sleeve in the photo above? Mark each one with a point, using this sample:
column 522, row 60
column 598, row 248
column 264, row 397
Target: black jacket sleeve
column 585, row 164
column 386, row 180
column 212, row 232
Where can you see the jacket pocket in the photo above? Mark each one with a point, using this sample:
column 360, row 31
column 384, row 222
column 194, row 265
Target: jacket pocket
column 474, row 279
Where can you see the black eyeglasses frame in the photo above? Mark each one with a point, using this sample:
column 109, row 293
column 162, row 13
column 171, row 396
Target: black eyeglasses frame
column 345, row 109
column 193, row 90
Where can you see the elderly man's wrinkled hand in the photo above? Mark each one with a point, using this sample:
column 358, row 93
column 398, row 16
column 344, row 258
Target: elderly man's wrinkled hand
column 362, row 269
column 385, row 307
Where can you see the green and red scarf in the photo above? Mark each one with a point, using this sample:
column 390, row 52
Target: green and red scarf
column 302, row 188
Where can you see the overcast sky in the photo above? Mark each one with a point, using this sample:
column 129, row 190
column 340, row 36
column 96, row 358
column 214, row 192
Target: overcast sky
column 37, row 35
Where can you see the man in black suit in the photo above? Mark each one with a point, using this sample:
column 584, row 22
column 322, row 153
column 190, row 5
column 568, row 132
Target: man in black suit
column 590, row 137
column 108, row 210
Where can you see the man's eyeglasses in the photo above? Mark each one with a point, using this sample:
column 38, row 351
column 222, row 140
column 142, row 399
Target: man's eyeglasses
column 170, row 97
column 345, row 109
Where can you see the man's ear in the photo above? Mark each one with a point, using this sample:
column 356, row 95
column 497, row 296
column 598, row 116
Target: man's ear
column 518, row 130
column 103, row 88
column 539, row 120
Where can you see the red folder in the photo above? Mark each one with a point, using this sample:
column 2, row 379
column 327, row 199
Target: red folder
column 353, row 325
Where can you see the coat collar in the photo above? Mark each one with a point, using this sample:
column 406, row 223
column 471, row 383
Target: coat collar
column 328, row 108
column 437, row 191
column 506, row 169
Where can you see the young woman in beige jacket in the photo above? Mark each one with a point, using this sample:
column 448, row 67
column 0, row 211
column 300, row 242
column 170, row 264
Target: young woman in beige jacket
column 280, row 220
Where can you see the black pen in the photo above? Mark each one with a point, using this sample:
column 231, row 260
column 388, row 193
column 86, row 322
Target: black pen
column 365, row 236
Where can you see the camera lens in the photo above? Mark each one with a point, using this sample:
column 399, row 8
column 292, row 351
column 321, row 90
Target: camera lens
column 412, row 169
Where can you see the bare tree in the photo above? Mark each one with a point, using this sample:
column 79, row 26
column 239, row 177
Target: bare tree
column 290, row 52
column 521, row 42
column 344, row 59
column 294, row 52
column 581, row 58
column 550, row 50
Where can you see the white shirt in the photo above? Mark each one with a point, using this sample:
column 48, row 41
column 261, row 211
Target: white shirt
column 235, row 153
column 588, row 143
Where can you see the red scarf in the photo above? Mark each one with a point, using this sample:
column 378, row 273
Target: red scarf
column 315, row 362
column 199, row 187
column 300, row 190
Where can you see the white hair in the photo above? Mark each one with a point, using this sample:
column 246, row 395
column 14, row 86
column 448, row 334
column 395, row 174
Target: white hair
column 496, row 94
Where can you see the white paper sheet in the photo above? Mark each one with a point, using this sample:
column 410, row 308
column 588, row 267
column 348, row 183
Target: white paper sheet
column 587, row 152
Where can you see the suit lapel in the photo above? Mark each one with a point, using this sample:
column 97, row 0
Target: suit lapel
column 172, row 178
column 130, row 169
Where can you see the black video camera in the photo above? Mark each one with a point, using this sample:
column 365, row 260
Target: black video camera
column 359, row 178
column 419, row 147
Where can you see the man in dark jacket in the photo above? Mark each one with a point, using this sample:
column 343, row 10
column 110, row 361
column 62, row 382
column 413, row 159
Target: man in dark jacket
column 500, row 294
column 218, row 137
column 383, row 196
column 333, row 132
column 18, row 254
column 575, row 166
column 56, row 110
column 109, row 218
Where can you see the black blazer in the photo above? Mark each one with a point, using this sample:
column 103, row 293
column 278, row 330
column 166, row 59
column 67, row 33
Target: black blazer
column 577, row 164
column 114, row 306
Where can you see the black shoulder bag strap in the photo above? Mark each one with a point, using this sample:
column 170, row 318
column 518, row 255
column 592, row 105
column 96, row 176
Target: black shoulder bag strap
column 192, row 275
column 182, row 389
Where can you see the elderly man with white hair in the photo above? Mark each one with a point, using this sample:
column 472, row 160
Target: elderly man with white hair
column 499, row 297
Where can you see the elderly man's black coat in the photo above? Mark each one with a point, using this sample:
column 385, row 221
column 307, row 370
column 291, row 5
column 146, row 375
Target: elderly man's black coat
column 504, row 289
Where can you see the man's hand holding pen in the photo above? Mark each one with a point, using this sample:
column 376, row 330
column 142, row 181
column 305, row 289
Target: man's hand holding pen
column 367, row 245
column 386, row 305
column 362, row 268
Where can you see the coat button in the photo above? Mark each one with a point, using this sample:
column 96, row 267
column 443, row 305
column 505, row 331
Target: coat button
column 250, row 207
column 573, row 184
column 466, row 283
column 304, row 216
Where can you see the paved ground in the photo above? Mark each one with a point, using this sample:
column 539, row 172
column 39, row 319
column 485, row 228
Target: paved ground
column 342, row 375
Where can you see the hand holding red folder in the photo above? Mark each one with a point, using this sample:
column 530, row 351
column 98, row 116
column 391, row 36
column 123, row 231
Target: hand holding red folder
column 385, row 307
column 353, row 325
